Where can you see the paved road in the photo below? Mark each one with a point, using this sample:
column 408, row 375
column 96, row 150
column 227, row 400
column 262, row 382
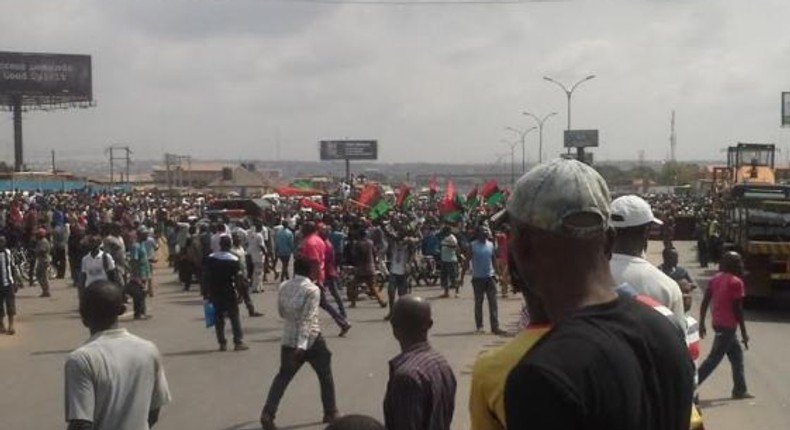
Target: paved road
column 214, row 390
column 767, row 364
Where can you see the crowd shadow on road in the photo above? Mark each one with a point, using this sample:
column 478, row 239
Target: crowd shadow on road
column 271, row 340
column 768, row 315
column 52, row 352
column 187, row 302
column 189, row 353
column 253, row 425
column 454, row 334
column 714, row 403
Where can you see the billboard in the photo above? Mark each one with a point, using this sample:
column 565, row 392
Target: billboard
column 786, row 109
column 349, row 150
column 581, row 138
column 45, row 78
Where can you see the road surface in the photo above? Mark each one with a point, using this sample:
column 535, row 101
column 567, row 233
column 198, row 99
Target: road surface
column 213, row 390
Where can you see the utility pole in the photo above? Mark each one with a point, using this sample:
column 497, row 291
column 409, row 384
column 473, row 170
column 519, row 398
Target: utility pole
column 125, row 157
column 53, row 162
column 673, row 140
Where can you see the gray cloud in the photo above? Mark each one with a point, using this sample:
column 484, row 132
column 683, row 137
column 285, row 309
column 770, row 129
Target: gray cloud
column 220, row 78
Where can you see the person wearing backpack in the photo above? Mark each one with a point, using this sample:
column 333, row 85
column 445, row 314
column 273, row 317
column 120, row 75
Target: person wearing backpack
column 97, row 265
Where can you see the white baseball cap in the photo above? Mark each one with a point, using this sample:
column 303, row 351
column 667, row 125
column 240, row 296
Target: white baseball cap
column 632, row 211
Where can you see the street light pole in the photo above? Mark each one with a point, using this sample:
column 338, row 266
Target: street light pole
column 569, row 93
column 512, row 146
column 522, row 134
column 540, row 122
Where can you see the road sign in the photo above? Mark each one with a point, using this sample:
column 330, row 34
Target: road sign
column 581, row 138
column 349, row 150
column 588, row 157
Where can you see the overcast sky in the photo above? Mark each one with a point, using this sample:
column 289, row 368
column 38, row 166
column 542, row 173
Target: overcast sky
column 223, row 78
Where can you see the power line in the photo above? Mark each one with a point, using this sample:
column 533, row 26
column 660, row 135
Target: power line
column 416, row 2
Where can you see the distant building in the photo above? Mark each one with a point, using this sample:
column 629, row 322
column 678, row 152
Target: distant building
column 241, row 181
column 195, row 174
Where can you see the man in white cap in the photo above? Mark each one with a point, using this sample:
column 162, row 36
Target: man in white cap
column 606, row 356
column 633, row 218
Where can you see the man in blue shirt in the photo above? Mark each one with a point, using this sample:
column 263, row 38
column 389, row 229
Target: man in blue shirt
column 284, row 248
column 483, row 284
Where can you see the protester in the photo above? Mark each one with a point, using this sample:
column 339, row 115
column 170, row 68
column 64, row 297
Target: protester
column 449, row 258
column 724, row 296
column 139, row 273
column 297, row 302
column 671, row 268
column 633, row 218
column 255, row 256
column 284, row 248
column 421, row 388
column 10, row 282
column 483, row 283
column 243, row 284
column 606, row 356
column 401, row 250
column 116, row 379
column 96, row 265
column 222, row 270
column 43, row 253
column 330, row 286
column 364, row 269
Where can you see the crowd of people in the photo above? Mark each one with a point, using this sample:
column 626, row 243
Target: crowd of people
column 604, row 332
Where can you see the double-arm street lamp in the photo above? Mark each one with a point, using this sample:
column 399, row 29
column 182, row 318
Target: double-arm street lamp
column 540, row 122
column 569, row 92
column 522, row 134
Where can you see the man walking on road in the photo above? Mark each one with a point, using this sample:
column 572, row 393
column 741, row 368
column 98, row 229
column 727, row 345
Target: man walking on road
column 116, row 379
column 725, row 293
column 43, row 252
column 483, row 284
column 606, row 357
column 421, row 389
column 297, row 303
column 222, row 270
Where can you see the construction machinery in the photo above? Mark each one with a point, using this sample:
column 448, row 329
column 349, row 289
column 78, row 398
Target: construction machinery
column 756, row 223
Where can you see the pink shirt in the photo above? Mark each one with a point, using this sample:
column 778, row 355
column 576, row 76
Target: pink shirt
column 314, row 249
column 725, row 289
column 329, row 260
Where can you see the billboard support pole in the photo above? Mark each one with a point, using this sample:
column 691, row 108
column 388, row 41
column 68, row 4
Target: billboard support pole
column 348, row 171
column 16, row 106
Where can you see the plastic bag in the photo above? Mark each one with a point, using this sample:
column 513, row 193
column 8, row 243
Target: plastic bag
column 209, row 314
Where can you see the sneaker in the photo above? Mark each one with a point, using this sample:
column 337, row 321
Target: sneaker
column 344, row 330
column 142, row 317
column 480, row 331
column 255, row 314
column 240, row 347
column 223, row 347
column 10, row 332
column 498, row 332
column 742, row 396
column 444, row 296
column 45, row 295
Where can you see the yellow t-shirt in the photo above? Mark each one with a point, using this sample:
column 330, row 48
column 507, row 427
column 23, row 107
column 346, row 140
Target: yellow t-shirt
column 489, row 374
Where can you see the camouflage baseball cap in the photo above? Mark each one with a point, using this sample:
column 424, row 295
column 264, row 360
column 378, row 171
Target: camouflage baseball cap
column 562, row 196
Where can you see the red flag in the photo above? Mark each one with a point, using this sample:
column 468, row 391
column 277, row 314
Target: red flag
column 404, row 194
column 307, row 203
column 369, row 195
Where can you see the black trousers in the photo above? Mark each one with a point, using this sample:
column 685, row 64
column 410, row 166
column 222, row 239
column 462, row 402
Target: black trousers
column 59, row 261
column 136, row 291
column 485, row 288
column 227, row 309
column 320, row 358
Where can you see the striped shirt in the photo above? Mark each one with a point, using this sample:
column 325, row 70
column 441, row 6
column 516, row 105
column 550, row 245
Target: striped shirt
column 6, row 271
column 420, row 392
column 297, row 303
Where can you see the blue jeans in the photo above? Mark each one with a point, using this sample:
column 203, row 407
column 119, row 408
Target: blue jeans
column 331, row 284
column 725, row 343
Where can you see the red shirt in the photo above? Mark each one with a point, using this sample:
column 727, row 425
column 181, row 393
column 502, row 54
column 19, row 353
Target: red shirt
column 313, row 249
column 725, row 288
column 501, row 246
